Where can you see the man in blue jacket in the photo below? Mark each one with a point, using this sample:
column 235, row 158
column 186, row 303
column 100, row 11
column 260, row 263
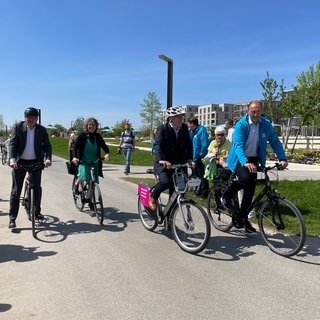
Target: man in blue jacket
column 200, row 142
column 249, row 149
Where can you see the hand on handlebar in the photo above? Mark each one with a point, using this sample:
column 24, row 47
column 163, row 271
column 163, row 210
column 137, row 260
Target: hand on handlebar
column 166, row 164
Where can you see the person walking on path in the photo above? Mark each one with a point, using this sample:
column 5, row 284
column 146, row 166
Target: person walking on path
column 127, row 145
column 200, row 142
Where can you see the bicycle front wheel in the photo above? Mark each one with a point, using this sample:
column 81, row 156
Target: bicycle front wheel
column 190, row 227
column 97, row 203
column 78, row 197
column 282, row 227
column 148, row 218
column 220, row 217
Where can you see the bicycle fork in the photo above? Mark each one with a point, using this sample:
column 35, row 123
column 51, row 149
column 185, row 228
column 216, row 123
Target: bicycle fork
column 186, row 215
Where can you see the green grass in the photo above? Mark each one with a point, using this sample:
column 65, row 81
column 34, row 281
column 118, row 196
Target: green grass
column 304, row 194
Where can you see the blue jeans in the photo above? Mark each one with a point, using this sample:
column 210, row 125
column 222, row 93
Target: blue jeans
column 127, row 157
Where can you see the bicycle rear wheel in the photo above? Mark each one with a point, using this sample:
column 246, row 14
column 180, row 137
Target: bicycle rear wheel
column 78, row 198
column 148, row 218
column 97, row 202
column 282, row 227
column 220, row 217
column 190, row 226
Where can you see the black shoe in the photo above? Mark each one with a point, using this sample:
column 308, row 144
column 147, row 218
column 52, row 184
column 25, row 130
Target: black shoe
column 12, row 224
column 227, row 203
column 249, row 228
column 237, row 221
column 39, row 216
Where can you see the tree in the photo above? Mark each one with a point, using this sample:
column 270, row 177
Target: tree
column 272, row 94
column 151, row 112
column 78, row 124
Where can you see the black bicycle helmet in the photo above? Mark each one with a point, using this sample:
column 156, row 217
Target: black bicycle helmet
column 31, row 112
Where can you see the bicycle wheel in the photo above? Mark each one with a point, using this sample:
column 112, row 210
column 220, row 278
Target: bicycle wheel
column 220, row 217
column 97, row 202
column 147, row 217
column 190, row 226
column 4, row 156
column 25, row 201
column 32, row 211
column 78, row 198
column 282, row 227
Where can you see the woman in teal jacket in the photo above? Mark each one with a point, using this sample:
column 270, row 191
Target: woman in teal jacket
column 249, row 149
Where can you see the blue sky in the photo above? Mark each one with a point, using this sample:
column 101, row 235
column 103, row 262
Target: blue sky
column 99, row 58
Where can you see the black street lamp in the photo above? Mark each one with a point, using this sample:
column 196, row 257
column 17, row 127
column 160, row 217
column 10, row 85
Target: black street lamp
column 169, row 79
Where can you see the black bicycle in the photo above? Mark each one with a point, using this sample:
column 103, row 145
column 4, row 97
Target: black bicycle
column 89, row 193
column 28, row 199
column 187, row 220
column 280, row 221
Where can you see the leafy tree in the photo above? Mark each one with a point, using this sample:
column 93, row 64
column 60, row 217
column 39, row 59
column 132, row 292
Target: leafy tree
column 272, row 93
column 151, row 112
column 78, row 124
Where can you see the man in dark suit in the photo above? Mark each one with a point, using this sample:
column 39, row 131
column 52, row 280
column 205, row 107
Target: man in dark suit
column 173, row 145
column 29, row 145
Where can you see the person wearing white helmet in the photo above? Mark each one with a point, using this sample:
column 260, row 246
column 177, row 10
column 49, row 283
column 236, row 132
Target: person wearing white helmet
column 172, row 146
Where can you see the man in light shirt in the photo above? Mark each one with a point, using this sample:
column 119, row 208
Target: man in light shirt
column 29, row 145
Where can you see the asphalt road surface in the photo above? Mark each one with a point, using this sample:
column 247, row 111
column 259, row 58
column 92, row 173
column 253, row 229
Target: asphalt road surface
column 78, row 269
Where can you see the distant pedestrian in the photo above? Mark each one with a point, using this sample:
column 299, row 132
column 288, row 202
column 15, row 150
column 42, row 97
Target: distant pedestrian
column 127, row 145
column 230, row 129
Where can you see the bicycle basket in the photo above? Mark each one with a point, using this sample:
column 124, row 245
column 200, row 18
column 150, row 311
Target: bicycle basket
column 194, row 182
column 144, row 193
column 180, row 181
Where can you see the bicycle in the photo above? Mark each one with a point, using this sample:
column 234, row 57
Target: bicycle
column 28, row 199
column 89, row 193
column 187, row 220
column 280, row 221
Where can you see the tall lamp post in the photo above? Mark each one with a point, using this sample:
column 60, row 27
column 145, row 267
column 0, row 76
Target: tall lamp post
column 169, row 79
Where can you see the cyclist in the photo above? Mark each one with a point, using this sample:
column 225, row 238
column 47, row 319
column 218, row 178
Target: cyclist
column 249, row 149
column 87, row 148
column 29, row 144
column 173, row 145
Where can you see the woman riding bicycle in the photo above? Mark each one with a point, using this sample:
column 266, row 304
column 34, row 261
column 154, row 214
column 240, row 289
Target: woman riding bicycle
column 87, row 149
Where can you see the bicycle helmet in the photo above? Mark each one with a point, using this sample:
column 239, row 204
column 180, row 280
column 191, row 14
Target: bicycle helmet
column 31, row 112
column 174, row 111
column 220, row 129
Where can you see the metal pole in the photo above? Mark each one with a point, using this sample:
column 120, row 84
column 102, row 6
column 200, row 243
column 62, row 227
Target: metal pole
column 169, row 79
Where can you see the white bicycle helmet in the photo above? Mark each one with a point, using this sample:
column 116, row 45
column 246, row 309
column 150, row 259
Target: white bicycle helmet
column 174, row 111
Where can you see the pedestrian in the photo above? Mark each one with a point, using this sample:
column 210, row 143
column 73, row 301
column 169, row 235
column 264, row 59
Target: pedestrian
column 172, row 146
column 71, row 142
column 127, row 145
column 153, row 140
column 29, row 145
column 230, row 129
column 249, row 149
column 200, row 142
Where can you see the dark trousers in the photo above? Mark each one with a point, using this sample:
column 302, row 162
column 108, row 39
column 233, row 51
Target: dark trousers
column 18, row 176
column 198, row 171
column 246, row 181
column 164, row 182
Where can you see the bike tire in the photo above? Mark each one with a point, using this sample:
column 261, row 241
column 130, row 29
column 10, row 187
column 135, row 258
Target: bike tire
column 4, row 157
column 193, row 235
column 32, row 211
column 25, row 201
column 220, row 218
column 78, row 198
column 282, row 226
column 97, row 202
column 148, row 218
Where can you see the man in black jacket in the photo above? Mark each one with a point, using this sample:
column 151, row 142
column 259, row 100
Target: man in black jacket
column 29, row 144
column 173, row 145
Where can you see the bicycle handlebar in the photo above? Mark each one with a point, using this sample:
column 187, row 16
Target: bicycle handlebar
column 31, row 167
column 91, row 162
column 277, row 165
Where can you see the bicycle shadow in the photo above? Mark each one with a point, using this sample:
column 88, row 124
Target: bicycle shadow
column 309, row 252
column 53, row 230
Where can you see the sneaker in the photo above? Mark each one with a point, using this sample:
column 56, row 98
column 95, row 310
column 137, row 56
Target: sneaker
column 227, row 203
column 125, row 172
column 252, row 214
column 152, row 204
column 249, row 228
column 12, row 224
